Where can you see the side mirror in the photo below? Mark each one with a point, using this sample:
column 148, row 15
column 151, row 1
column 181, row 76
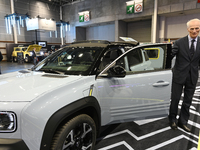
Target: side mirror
column 117, row 71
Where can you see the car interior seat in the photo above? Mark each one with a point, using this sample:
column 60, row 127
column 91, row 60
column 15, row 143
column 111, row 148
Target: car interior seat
column 83, row 58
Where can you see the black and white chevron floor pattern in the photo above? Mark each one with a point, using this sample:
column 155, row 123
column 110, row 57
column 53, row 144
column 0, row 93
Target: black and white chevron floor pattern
column 154, row 134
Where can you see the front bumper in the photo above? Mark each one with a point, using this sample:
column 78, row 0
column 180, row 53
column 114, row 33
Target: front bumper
column 12, row 144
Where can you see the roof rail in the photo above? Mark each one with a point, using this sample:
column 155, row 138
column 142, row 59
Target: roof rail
column 126, row 42
column 92, row 41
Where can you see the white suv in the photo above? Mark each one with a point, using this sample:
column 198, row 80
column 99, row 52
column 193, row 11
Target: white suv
column 63, row 101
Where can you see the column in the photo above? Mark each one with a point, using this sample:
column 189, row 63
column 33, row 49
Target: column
column 162, row 29
column 62, row 43
column 154, row 22
column 14, row 26
column 116, row 30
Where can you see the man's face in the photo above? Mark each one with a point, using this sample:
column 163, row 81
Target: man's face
column 193, row 29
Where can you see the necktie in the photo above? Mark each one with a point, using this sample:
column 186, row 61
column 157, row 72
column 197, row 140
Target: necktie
column 192, row 48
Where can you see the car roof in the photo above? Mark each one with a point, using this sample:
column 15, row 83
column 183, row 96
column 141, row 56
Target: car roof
column 100, row 43
column 87, row 45
column 103, row 43
column 125, row 43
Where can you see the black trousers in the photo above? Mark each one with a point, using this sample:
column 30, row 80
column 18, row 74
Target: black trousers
column 35, row 61
column 177, row 89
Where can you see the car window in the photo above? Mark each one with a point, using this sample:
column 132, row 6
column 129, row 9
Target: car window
column 155, row 62
column 24, row 49
column 136, row 61
column 134, row 58
column 71, row 60
column 109, row 57
column 143, row 59
column 156, row 56
column 145, row 55
column 17, row 49
column 153, row 53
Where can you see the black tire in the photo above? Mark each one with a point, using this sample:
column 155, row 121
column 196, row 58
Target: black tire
column 77, row 134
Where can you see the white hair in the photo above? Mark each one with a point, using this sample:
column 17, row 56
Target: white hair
column 188, row 23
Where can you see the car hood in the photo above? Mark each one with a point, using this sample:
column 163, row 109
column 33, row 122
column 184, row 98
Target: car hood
column 26, row 85
column 30, row 48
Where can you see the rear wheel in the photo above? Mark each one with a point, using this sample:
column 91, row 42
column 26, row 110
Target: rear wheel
column 77, row 134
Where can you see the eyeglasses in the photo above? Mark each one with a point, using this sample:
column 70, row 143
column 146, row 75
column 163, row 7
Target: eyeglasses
column 192, row 29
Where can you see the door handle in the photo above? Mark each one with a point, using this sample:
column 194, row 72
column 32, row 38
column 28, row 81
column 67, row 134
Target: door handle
column 160, row 84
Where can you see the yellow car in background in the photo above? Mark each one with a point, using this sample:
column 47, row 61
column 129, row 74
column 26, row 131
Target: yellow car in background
column 27, row 52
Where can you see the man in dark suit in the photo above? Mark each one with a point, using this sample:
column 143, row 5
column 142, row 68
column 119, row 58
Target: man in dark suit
column 1, row 58
column 34, row 57
column 185, row 74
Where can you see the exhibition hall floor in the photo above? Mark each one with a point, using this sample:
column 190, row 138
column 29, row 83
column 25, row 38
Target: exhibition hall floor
column 149, row 134
column 7, row 67
column 153, row 134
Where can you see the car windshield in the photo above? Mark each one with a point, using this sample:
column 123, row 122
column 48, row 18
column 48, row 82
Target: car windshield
column 24, row 49
column 17, row 49
column 71, row 60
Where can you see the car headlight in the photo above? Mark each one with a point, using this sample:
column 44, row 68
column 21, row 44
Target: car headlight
column 7, row 122
column 31, row 53
column 41, row 53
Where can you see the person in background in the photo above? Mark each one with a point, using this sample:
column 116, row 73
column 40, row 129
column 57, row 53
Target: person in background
column 45, row 55
column 51, row 51
column 34, row 57
column 1, row 58
column 185, row 74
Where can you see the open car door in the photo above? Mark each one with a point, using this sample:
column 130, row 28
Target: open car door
column 134, row 87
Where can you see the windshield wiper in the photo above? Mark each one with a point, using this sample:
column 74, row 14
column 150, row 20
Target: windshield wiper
column 52, row 71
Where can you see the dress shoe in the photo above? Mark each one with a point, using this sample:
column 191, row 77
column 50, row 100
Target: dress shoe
column 173, row 125
column 184, row 127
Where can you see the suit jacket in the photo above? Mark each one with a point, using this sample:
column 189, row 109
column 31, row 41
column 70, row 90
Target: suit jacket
column 185, row 64
column 1, row 56
column 33, row 54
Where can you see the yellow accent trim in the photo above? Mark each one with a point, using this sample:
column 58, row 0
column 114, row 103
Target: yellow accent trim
column 199, row 143
column 59, row 59
column 153, row 49
column 146, row 99
column 90, row 92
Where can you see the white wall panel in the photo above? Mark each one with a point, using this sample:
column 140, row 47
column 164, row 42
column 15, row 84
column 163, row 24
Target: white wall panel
column 176, row 26
column 103, row 32
column 3, row 51
column 140, row 30
column 44, row 10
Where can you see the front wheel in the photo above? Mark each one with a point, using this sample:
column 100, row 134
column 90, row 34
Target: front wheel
column 77, row 134
column 15, row 59
column 27, row 59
